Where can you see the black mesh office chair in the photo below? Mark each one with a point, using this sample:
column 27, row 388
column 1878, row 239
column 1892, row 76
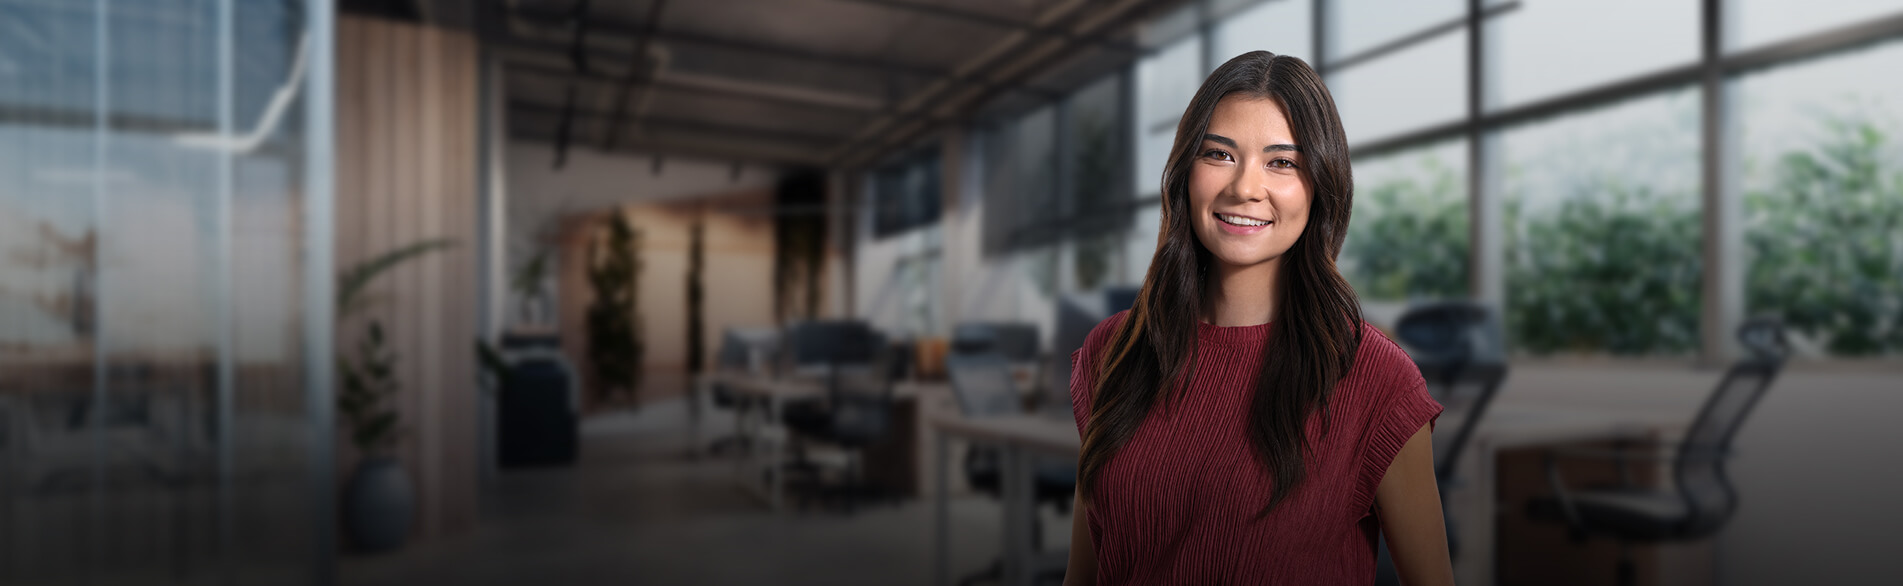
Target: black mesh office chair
column 1702, row 499
column 1457, row 346
column 983, row 385
column 857, row 410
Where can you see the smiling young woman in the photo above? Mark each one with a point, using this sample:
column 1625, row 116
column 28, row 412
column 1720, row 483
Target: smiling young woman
column 1241, row 424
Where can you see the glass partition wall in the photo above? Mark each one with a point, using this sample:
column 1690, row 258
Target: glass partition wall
column 164, row 292
column 1725, row 159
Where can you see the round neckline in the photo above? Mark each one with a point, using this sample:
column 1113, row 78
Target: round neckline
column 1215, row 334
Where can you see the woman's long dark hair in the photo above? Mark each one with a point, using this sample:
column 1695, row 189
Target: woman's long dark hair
column 1317, row 326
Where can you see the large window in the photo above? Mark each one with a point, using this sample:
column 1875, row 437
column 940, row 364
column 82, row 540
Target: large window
column 157, row 242
column 1419, row 86
column 906, row 194
column 1822, row 157
column 1165, row 82
column 1757, row 22
column 1095, row 155
column 1408, row 237
column 1602, row 229
column 1356, row 26
column 1586, row 224
column 1543, row 45
column 1284, row 27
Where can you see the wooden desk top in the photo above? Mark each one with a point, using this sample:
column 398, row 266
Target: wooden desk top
column 792, row 387
column 1031, row 431
column 1518, row 425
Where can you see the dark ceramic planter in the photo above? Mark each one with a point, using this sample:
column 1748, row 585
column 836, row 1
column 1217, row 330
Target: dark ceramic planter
column 379, row 505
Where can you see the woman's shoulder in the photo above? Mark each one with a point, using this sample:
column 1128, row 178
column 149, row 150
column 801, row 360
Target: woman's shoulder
column 1379, row 359
column 1101, row 334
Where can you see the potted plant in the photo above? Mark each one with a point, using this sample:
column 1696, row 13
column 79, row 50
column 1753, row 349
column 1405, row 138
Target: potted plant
column 615, row 346
column 379, row 501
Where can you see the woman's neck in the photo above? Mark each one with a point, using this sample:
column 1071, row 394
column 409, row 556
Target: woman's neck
column 1241, row 296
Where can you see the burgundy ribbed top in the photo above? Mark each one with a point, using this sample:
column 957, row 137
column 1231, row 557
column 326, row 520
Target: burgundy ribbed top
column 1177, row 504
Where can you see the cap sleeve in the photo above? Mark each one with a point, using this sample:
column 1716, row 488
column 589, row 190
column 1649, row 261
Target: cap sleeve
column 1401, row 407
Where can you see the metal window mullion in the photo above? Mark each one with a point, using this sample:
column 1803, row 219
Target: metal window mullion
column 222, row 290
column 1486, row 227
column 319, row 222
column 95, row 420
column 1318, row 33
column 1127, row 159
column 1722, row 290
column 1793, row 50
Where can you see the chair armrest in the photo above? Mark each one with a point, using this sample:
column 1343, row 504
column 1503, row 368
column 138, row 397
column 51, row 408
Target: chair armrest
column 1560, row 493
column 1623, row 453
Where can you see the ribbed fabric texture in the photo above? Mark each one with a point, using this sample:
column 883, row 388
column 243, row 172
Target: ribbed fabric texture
column 1177, row 504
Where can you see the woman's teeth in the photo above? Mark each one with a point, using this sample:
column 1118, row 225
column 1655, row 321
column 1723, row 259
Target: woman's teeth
column 1240, row 221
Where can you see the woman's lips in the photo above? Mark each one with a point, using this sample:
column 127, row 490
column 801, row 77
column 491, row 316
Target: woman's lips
column 1233, row 228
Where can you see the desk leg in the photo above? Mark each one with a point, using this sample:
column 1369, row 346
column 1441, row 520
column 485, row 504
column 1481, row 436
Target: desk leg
column 941, row 513
column 1017, row 520
column 695, row 392
column 776, row 478
column 1473, row 513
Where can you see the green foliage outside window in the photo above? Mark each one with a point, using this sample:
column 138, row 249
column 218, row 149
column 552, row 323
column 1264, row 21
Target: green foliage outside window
column 1614, row 269
column 1407, row 239
column 1826, row 241
column 1617, row 268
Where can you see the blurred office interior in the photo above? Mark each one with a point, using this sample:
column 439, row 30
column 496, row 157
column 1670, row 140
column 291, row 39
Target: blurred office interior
column 377, row 292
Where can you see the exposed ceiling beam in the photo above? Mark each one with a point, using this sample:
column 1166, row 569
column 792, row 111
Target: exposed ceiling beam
column 948, row 12
column 1014, row 60
column 636, row 68
column 688, row 125
column 602, row 29
column 723, row 86
column 701, row 148
column 544, row 18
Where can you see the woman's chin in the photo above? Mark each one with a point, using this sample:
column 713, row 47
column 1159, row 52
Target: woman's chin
column 1241, row 259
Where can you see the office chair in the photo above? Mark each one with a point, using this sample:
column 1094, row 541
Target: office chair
column 741, row 350
column 1457, row 346
column 1703, row 499
column 983, row 385
column 857, row 410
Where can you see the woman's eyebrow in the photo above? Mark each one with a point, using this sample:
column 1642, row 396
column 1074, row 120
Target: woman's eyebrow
column 1231, row 143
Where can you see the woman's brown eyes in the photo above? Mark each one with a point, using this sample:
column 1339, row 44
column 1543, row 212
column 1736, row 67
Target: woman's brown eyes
column 1282, row 164
column 1216, row 154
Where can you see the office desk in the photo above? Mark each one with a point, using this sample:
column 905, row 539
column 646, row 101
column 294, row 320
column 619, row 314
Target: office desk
column 1019, row 438
column 768, row 436
column 1474, row 502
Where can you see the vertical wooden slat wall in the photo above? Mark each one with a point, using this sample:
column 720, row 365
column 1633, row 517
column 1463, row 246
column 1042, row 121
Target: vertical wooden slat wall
column 406, row 171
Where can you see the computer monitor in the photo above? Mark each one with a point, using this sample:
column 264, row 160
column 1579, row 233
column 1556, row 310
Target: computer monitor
column 813, row 347
column 747, row 349
column 1015, row 341
column 1077, row 314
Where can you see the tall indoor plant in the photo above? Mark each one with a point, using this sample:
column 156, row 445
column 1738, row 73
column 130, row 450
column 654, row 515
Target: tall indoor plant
column 615, row 347
column 379, row 502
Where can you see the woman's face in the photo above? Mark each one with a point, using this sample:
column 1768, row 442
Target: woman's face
column 1248, row 194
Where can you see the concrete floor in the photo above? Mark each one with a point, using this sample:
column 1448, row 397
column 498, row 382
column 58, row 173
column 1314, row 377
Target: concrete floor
column 1814, row 467
column 636, row 510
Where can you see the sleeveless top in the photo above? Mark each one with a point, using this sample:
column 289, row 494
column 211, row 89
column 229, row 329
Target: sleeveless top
column 1178, row 502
